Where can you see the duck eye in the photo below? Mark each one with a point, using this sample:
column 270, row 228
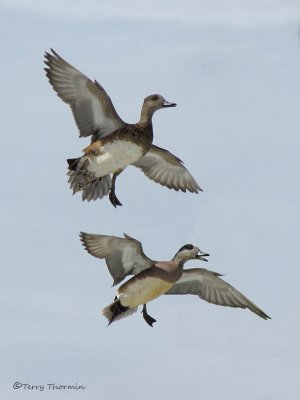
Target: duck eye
column 154, row 98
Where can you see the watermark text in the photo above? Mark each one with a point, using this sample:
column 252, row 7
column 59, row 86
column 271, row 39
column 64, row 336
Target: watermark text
column 47, row 386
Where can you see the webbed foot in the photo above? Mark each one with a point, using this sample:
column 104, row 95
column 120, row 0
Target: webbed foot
column 150, row 321
column 113, row 199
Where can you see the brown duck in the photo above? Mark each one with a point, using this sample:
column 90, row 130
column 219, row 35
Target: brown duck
column 114, row 143
column 125, row 256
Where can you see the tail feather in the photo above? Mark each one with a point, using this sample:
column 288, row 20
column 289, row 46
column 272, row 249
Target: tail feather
column 92, row 189
column 97, row 189
column 115, row 311
column 73, row 163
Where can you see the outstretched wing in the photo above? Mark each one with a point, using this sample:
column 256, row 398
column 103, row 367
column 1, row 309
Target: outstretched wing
column 210, row 287
column 92, row 108
column 123, row 256
column 163, row 167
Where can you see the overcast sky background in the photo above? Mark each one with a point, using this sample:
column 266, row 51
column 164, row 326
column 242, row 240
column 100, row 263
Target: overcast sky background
column 233, row 68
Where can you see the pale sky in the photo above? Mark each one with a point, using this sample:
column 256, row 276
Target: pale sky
column 233, row 68
column 194, row 12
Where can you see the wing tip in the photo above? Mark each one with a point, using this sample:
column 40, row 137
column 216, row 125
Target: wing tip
column 263, row 315
column 82, row 236
column 84, row 241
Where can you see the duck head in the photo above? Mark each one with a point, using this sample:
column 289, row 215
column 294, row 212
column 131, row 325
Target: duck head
column 151, row 104
column 189, row 252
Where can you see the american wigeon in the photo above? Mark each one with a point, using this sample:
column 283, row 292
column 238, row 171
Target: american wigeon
column 125, row 256
column 114, row 143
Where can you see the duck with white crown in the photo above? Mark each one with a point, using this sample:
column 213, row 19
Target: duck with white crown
column 151, row 279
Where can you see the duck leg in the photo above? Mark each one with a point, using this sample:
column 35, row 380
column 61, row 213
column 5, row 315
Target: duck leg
column 112, row 193
column 150, row 321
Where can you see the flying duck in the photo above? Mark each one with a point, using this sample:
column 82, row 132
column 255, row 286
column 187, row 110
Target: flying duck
column 151, row 279
column 114, row 143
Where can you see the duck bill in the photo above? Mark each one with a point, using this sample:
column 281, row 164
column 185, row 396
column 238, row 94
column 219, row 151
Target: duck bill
column 168, row 104
column 201, row 256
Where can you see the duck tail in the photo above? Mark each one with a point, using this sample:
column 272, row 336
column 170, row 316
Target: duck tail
column 115, row 311
column 97, row 188
column 73, row 163
column 91, row 188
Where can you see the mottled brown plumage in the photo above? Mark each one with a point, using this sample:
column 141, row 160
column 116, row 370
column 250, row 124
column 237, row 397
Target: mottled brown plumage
column 115, row 144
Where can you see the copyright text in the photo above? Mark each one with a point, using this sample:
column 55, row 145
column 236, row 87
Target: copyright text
column 47, row 386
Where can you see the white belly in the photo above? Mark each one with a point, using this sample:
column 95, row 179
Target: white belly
column 114, row 156
column 142, row 291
